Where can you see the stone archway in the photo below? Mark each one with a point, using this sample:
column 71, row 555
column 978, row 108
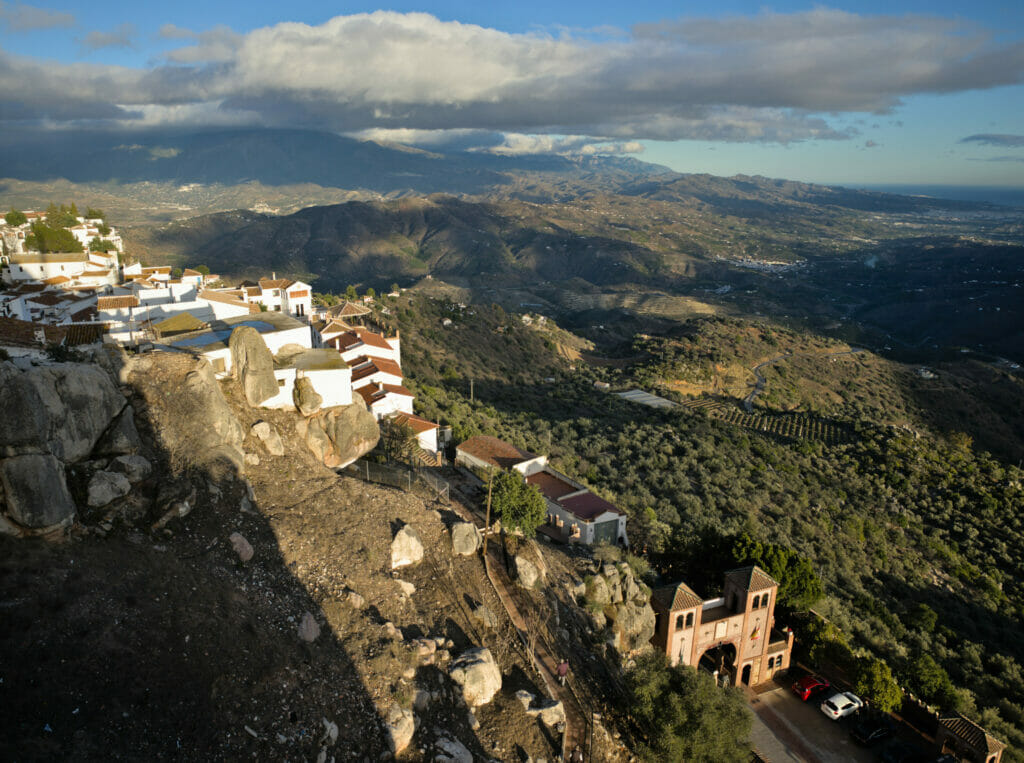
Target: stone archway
column 720, row 662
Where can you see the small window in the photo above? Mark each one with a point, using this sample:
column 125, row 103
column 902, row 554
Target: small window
column 764, row 601
column 218, row 365
column 756, row 600
column 679, row 622
column 771, row 663
column 689, row 620
column 280, row 382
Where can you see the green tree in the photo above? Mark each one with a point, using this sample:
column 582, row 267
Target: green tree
column 102, row 245
column 370, row 292
column 47, row 239
column 202, row 269
column 799, row 586
column 351, row 294
column 875, row 681
column 103, row 229
column 519, row 505
column 15, row 217
column 684, row 715
column 394, row 288
column 95, row 214
column 397, row 441
column 60, row 217
column 176, row 272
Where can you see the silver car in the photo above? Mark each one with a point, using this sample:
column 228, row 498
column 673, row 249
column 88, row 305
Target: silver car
column 841, row 705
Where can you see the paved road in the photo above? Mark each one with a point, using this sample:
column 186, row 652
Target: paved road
column 786, row 729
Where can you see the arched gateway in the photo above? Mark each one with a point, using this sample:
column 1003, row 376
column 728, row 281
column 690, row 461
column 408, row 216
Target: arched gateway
column 690, row 627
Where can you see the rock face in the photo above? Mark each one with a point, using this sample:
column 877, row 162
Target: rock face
column 634, row 626
column 271, row 440
column 63, row 409
column 526, row 572
column 452, row 751
column 122, row 438
column 551, row 712
column 353, row 431
column 406, row 548
column 597, row 591
column 478, row 675
column 35, row 490
column 205, row 431
column 305, row 397
column 401, row 725
column 465, row 538
column 253, row 364
column 105, row 487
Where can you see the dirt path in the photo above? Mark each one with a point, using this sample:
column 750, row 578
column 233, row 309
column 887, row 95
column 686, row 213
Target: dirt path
column 748, row 401
column 545, row 661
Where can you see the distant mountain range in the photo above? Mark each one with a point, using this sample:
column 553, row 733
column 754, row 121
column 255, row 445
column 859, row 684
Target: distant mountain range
column 276, row 157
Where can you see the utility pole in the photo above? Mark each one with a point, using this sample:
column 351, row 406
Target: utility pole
column 487, row 523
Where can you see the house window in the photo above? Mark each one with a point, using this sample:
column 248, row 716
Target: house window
column 679, row 622
column 218, row 365
column 764, row 601
column 689, row 620
column 771, row 663
column 280, row 382
column 756, row 600
column 277, row 307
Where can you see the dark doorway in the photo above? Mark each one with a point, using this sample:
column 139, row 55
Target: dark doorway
column 745, row 676
column 720, row 662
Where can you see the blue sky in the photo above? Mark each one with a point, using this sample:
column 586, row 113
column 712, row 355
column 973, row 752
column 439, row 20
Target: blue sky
column 869, row 92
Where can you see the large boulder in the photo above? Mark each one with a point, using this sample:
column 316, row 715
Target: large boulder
column 406, row 548
column 121, row 438
column 105, row 487
column 135, row 468
column 352, row 429
column 526, row 572
column 205, row 430
column 597, row 591
column 35, row 491
column 253, row 364
column 305, row 396
column 634, row 626
column 550, row 711
column 465, row 538
column 452, row 751
column 63, row 409
column 478, row 675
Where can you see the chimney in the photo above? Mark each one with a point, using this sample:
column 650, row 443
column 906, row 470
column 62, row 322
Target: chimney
column 273, row 275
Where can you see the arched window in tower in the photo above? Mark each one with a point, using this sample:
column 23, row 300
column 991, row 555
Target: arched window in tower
column 764, row 601
column 756, row 600
column 689, row 620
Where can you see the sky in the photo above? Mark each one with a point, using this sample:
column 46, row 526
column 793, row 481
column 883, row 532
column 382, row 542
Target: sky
column 901, row 92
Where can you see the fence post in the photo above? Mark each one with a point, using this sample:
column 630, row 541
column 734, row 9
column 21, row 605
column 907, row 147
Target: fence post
column 367, row 464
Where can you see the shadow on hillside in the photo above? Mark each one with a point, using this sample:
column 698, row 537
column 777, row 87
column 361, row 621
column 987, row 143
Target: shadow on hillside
column 154, row 644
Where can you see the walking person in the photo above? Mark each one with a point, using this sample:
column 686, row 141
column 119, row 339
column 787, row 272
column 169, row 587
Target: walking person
column 563, row 671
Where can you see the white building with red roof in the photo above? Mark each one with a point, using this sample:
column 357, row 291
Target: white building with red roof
column 281, row 295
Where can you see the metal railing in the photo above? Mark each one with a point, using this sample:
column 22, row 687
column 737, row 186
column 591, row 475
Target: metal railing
column 398, row 476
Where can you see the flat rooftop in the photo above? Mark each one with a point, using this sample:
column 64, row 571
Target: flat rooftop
column 216, row 336
column 314, row 360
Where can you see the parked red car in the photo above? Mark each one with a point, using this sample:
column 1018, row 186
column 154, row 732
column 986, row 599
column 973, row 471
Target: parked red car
column 809, row 686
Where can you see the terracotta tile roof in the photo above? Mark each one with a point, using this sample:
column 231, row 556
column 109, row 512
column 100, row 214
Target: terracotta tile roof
column 418, row 425
column 15, row 333
column 251, row 291
column 675, row 597
column 275, row 283
column 116, row 303
column 85, row 333
column 371, row 394
column 50, row 257
column 85, row 315
column 971, row 733
column 550, row 485
column 28, row 288
column 56, row 280
column 95, row 273
column 364, row 366
column 357, row 337
column 224, row 297
column 347, row 309
column 166, row 269
column 398, row 389
column 588, row 506
column 50, row 299
column 372, row 339
column 494, row 451
column 334, row 326
column 190, row 272
column 751, row 578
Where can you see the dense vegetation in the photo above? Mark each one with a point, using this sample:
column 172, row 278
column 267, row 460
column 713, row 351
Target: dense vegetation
column 889, row 522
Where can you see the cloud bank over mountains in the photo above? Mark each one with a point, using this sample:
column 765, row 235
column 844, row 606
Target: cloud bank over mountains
column 391, row 76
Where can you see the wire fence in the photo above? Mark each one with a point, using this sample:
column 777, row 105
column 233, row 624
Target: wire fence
column 401, row 477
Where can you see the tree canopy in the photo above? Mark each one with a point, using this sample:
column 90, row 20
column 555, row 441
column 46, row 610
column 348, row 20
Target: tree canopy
column 62, row 216
column 799, row 585
column 685, row 715
column 15, row 217
column 47, row 239
column 102, row 245
column 519, row 505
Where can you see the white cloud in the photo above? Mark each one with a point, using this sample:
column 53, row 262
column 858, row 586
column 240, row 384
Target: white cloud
column 768, row 78
column 175, row 32
column 19, row 17
column 118, row 37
